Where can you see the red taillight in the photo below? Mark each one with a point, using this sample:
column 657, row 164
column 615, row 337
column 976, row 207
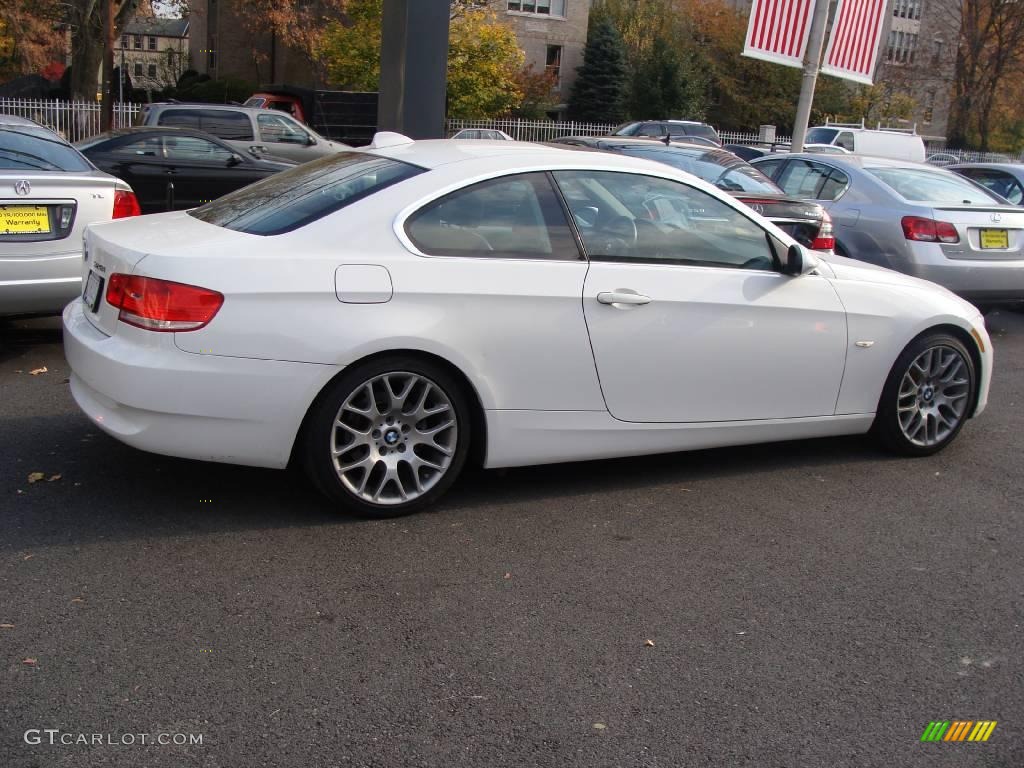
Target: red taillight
column 125, row 204
column 928, row 230
column 160, row 305
column 825, row 241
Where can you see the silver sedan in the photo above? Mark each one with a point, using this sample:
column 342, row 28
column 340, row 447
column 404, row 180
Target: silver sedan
column 48, row 194
column 914, row 218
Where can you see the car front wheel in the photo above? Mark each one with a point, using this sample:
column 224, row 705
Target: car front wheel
column 927, row 397
column 389, row 437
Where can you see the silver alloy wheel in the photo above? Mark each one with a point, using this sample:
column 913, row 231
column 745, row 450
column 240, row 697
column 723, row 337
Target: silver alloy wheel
column 394, row 438
column 933, row 393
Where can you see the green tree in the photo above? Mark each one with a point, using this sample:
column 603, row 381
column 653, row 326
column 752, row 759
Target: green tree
column 666, row 83
column 350, row 50
column 601, row 88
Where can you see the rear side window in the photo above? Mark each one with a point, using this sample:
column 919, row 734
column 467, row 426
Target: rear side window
column 834, row 186
column 289, row 200
column 803, row 179
column 222, row 123
column 513, row 217
column 32, row 150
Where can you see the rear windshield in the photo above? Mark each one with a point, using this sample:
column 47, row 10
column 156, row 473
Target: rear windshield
column 308, row 192
column 722, row 169
column 926, row 186
column 820, row 136
column 29, row 150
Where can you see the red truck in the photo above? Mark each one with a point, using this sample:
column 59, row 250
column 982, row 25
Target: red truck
column 347, row 116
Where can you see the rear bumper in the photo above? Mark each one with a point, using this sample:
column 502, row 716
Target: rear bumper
column 977, row 280
column 141, row 389
column 39, row 284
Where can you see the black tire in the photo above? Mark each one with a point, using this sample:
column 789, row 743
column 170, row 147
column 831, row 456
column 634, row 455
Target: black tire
column 319, row 436
column 887, row 426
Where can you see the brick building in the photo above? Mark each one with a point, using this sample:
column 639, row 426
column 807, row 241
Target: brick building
column 154, row 51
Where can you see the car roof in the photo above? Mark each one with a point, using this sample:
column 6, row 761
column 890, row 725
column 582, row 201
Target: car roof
column 631, row 141
column 434, row 153
column 6, row 119
column 199, row 105
column 852, row 161
column 1019, row 167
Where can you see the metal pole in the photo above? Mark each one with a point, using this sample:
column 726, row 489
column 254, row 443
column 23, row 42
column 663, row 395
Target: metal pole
column 107, row 97
column 812, row 63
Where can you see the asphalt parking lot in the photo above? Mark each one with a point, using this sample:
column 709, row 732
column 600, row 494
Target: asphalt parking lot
column 793, row 604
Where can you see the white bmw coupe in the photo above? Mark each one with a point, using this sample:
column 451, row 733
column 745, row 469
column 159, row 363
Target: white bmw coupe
column 382, row 316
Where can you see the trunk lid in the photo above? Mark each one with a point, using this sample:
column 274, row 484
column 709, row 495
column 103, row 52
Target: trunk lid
column 87, row 195
column 990, row 232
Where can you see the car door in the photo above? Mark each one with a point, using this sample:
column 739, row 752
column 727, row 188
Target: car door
column 284, row 137
column 690, row 319
column 201, row 170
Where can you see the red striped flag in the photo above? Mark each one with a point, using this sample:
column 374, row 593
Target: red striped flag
column 853, row 45
column 778, row 30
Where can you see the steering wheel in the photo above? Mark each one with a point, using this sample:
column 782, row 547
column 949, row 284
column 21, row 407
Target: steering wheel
column 617, row 235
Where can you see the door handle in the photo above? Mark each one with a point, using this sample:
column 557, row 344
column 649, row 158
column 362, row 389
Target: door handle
column 623, row 297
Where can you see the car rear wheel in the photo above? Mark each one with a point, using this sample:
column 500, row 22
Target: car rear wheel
column 388, row 438
column 927, row 397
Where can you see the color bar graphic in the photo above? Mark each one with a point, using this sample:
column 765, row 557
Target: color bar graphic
column 958, row 730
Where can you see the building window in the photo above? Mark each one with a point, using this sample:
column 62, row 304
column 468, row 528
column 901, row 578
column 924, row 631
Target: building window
column 124, row 41
column 546, row 7
column 901, row 47
column 152, row 71
column 152, row 43
column 138, row 69
column 138, row 42
column 553, row 65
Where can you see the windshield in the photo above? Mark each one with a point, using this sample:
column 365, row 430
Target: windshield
column 820, row 136
column 927, row 186
column 719, row 168
column 308, row 192
column 30, row 150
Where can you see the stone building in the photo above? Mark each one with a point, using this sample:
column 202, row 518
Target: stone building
column 153, row 51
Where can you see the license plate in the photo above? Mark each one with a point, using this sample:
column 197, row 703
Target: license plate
column 91, row 296
column 995, row 238
column 24, row 220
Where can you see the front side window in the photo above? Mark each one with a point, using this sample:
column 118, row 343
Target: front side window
column 845, row 140
column 820, row 136
column 301, row 195
column 147, row 146
column 192, row 149
column 512, row 217
column 632, row 218
column 222, row 123
column 276, row 129
column 924, row 186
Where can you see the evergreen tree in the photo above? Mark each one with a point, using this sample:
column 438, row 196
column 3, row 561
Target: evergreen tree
column 602, row 81
column 667, row 84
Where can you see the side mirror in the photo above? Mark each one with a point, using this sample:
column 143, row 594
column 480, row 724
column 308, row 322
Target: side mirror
column 310, row 141
column 233, row 161
column 799, row 261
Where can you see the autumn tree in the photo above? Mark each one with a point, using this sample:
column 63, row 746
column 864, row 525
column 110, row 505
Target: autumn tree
column 483, row 56
column 30, row 37
column 989, row 59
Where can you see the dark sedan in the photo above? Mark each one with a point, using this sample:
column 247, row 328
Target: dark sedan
column 806, row 222
column 175, row 168
column 1005, row 179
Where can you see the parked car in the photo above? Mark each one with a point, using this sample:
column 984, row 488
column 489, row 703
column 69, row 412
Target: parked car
column 807, row 222
column 1004, row 179
column 746, row 152
column 914, row 218
column 674, row 129
column 176, row 168
column 344, row 116
column 492, row 134
column 49, row 193
column 514, row 303
column 942, row 159
column 898, row 145
column 247, row 129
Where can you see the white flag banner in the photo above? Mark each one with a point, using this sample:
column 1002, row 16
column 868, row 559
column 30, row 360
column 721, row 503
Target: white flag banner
column 778, row 30
column 853, row 45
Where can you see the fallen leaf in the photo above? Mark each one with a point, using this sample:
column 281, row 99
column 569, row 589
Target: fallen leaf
column 741, row 633
column 28, row 557
column 649, row 643
column 599, row 726
column 37, row 371
column 30, row 662
column 77, row 599
column 35, row 477
column 6, row 626
column 508, row 575
column 51, row 478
